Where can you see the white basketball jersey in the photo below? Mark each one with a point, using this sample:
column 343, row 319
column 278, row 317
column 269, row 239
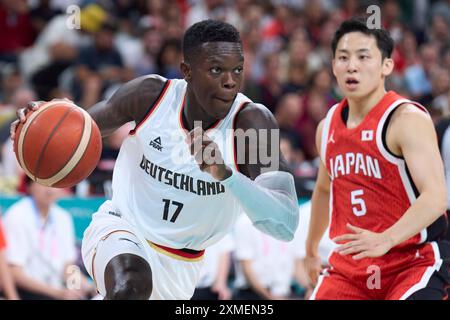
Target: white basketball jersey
column 159, row 188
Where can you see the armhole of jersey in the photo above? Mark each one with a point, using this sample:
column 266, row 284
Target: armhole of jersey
column 242, row 106
column 325, row 132
column 382, row 130
column 152, row 108
column 405, row 175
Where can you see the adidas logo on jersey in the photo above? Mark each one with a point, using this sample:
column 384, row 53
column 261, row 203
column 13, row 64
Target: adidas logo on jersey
column 156, row 143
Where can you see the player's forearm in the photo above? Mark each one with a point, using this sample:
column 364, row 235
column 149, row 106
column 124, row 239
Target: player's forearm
column 6, row 280
column 253, row 281
column 300, row 273
column 27, row 283
column 224, row 267
column 425, row 210
column 319, row 220
column 269, row 201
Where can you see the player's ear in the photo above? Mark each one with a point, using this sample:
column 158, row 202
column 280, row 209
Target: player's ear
column 388, row 66
column 186, row 70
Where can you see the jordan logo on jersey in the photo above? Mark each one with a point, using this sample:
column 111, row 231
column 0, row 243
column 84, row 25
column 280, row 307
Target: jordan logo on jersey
column 331, row 139
column 156, row 143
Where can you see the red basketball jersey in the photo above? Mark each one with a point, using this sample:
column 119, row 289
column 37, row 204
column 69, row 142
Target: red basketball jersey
column 370, row 187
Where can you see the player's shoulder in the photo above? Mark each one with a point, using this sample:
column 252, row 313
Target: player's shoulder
column 151, row 82
column 409, row 113
column 134, row 97
column 255, row 115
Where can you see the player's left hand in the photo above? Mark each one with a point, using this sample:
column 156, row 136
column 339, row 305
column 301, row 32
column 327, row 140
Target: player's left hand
column 363, row 243
column 207, row 154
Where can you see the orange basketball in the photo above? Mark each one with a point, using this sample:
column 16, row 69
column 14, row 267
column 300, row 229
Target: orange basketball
column 59, row 145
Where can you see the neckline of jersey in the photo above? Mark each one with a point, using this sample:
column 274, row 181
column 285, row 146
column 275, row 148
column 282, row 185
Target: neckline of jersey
column 181, row 116
column 367, row 116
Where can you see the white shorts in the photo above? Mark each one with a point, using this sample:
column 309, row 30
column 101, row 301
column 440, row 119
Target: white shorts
column 175, row 273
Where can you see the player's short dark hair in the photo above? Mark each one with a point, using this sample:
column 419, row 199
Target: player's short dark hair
column 208, row 31
column 359, row 24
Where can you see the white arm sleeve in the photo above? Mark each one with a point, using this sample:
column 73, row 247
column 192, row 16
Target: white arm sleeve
column 270, row 201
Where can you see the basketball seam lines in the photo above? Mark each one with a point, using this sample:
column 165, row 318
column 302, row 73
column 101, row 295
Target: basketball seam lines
column 23, row 134
column 24, row 139
column 69, row 158
column 50, row 136
column 79, row 152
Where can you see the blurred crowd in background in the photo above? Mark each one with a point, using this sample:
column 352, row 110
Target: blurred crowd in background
column 287, row 59
column 287, row 46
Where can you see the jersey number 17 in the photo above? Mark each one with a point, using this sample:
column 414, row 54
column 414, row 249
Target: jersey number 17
column 167, row 203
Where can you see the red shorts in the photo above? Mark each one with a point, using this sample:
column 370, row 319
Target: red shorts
column 394, row 276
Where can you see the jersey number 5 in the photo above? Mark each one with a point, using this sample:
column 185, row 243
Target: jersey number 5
column 179, row 206
column 358, row 204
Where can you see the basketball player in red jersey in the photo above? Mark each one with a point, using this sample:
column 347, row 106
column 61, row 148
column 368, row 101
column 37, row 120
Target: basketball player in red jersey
column 382, row 177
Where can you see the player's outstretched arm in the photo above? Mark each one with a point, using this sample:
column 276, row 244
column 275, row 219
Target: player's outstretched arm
column 6, row 279
column 265, row 189
column 130, row 102
column 411, row 134
column 319, row 215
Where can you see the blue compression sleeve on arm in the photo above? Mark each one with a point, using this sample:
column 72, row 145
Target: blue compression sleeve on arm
column 270, row 201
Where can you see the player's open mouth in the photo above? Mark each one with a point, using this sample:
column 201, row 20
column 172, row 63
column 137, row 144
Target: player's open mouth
column 351, row 83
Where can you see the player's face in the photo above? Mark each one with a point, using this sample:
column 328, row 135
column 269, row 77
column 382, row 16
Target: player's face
column 216, row 76
column 358, row 65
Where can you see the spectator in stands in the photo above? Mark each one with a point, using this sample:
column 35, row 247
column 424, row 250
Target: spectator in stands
column 7, row 287
column 100, row 179
column 271, row 86
column 213, row 9
column 41, row 247
column 41, row 14
column 11, row 80
column 264, row 267
column 298, row 62
column 20, row 97
column 15, row 29
column 288, row 112
column 151, row 41
column 10, row 170
column 316, row 106
column 169, row 58
column 213, row 283
column 99, row 67
column 418, row 75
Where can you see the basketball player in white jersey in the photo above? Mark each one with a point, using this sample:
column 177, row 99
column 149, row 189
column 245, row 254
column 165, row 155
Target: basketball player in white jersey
column 148, row 241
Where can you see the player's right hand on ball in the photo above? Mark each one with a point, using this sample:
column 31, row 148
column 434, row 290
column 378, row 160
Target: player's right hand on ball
column 313, row 268
column 21, row 115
